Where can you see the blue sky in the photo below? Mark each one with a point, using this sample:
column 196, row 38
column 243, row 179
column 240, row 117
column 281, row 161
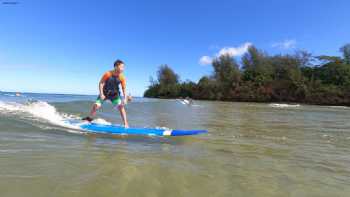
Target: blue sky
column 65, row 46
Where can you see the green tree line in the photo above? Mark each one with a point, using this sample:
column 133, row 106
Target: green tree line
column 260, row 77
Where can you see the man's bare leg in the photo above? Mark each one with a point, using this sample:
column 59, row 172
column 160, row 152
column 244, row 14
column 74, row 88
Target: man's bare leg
column 123, row 115
column 94, row 108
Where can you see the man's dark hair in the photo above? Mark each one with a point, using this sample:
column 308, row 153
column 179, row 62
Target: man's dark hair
column 118, row 62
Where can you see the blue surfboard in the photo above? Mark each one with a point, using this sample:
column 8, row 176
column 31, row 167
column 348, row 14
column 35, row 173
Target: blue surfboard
column 119, row 130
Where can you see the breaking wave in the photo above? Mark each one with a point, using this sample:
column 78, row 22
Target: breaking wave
column 42, row 112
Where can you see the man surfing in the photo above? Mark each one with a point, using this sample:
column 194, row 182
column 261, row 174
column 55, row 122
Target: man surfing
column 109, row 90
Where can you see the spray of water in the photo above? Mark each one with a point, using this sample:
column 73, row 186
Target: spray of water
column 43, row 112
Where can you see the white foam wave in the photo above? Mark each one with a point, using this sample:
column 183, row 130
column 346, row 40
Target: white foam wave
column 42, row 111
column 339, row 107
column 164, row 128
column 101, row 121
column 38, row 110
column 278, row 105
column 187, row 102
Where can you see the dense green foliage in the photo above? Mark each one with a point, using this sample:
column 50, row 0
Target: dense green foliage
column 259, row 77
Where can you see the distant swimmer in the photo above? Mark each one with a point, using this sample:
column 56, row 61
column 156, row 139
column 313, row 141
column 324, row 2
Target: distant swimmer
column 110, row 90
column 18, row 94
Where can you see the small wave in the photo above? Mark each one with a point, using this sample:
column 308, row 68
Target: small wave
column 11, row 151
column 43, row 112
column 339, row 107
column 187, row 102
column 101, row 121
column 165, row 128
column 10, row 95
column 278, row 105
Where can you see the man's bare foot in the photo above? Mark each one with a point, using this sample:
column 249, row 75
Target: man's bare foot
column 87, row 118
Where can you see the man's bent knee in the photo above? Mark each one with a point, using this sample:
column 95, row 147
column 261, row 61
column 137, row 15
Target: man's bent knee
column 97, row 106
column 120, row 107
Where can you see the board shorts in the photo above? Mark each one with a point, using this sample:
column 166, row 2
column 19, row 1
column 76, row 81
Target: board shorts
column 116, row 101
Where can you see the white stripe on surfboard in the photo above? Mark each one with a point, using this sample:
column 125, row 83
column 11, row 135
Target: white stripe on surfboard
column 167, row 132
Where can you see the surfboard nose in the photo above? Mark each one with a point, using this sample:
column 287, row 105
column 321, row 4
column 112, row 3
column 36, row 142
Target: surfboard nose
column 190, row 132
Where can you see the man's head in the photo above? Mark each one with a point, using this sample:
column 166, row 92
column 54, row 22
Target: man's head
column 119, row 66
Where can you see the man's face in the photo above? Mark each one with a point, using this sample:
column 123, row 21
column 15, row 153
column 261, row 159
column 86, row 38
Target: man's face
column 120, row 68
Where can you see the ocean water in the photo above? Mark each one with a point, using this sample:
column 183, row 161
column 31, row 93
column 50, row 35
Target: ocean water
column 251, row 149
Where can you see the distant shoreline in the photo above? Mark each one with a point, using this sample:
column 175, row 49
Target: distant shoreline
column 228, row 101
column 263, row 102
column 14, row 92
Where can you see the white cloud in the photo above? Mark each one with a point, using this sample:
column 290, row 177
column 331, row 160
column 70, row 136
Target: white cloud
column 287, row 44
column 235, row 51
column 231, row 51
column 205, row 60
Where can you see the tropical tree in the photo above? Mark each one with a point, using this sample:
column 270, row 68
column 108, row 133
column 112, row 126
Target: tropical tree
column 346, row 53
column 226, row 75
column 166, row 76
column 257, row 67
